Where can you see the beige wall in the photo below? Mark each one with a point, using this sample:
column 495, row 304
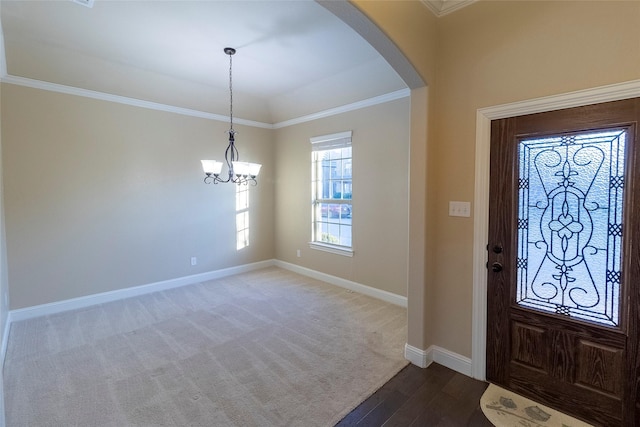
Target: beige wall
column 4, row 282
column 491, row 53
column 4, row 275
column 411, row 26
column 380, row 196
column 101, row 196
column 499, row 52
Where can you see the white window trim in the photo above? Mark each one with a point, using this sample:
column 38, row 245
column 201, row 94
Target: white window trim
column 326, row 142
column 334, row 249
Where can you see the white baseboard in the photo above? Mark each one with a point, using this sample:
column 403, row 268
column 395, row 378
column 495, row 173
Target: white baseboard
column 442, row 356
column 104, row 297
column 420, row 358
column 451, row 360
column 347, row 284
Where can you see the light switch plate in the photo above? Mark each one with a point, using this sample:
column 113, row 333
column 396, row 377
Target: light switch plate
column 460, row 209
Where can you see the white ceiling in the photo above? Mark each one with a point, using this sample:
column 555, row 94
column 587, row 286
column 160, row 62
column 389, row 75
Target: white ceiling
column 294, row 58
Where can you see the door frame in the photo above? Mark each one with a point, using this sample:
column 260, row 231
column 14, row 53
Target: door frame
column 484, row 116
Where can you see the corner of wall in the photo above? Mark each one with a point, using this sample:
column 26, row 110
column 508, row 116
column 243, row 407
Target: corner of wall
column 418, row 267
column 4, row 286
column 439, row 355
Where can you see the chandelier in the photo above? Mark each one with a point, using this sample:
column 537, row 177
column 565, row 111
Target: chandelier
column 239, row 172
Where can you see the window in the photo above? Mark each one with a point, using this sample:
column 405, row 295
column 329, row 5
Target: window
column 331, row 169
column 570, row 201
column 242, row 216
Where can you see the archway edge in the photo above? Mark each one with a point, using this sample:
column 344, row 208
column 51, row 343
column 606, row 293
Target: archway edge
column 351, row 15
column 417, row 293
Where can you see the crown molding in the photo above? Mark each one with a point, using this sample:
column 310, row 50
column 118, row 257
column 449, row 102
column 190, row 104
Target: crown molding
column 70, row 90
column 444, row 7
column 381, row 99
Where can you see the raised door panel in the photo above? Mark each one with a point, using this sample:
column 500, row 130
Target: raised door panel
column 600, row 368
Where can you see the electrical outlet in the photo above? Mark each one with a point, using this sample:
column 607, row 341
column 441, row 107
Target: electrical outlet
column 298, row 253
column 194, row 260
column 460, row 209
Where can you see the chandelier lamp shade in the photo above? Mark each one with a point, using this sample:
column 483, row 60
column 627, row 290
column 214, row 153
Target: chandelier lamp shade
column 238, row 172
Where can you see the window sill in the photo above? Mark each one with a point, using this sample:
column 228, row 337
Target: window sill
column 338, row 250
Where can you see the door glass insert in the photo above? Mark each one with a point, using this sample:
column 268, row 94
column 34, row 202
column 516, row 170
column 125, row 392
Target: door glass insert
column 570, row 201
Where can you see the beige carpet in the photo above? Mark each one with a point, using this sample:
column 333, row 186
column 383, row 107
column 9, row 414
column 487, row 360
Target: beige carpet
column 267, row 348
column 506, row 409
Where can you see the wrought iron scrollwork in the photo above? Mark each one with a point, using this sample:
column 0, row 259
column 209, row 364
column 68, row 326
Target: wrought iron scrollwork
column 570, row 197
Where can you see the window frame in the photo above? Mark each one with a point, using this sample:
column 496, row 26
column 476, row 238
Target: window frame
column 321, row 144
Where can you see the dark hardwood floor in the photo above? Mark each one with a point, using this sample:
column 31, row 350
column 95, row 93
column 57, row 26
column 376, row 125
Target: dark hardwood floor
column 435, row 396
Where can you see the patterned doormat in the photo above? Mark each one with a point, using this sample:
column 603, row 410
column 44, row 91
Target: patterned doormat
column 506, row 409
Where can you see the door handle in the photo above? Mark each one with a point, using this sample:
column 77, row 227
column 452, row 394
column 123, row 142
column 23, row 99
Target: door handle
column 496, row 267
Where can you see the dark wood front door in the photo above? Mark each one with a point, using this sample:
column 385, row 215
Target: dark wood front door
column 564, row 260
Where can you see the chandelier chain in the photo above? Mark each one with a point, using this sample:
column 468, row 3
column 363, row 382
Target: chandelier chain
column 230, row 92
